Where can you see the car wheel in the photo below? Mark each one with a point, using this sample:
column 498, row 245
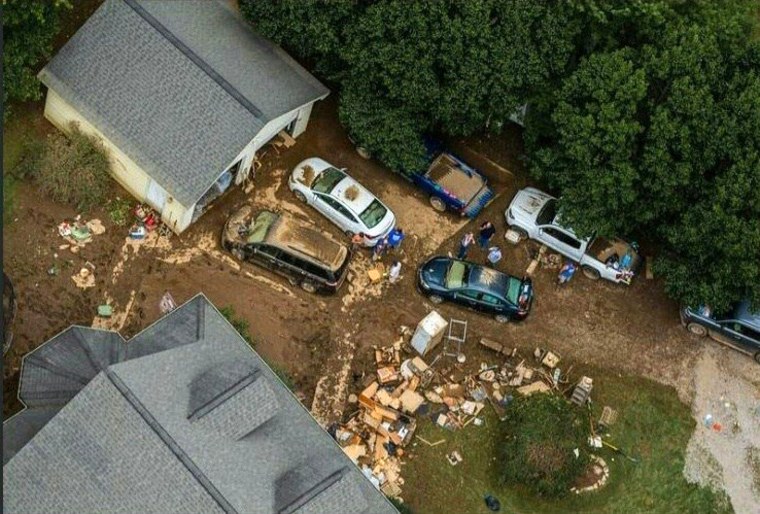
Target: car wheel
column 757, row 357
column 591, row 273
column 293, row 281
column 349, row 233
column 238, row 254
column 696, row 329
column 501, row 318
column 437, row 204
column 300, row 196
column 309, row 286
column 434, row 298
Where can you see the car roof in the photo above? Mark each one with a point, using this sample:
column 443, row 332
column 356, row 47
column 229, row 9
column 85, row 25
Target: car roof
column 291, row 235
column 488, row 280
column 745, row 314
column 353, row 194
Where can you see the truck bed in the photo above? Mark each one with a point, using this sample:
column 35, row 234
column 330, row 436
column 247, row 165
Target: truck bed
column 446, row 172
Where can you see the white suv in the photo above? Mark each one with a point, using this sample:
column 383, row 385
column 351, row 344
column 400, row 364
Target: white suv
column 341, row 199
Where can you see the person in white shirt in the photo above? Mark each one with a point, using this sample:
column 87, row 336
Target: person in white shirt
column 394, row 273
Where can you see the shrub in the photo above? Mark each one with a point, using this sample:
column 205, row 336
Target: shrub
column 119, row 210
column 540, row 435
column 239, row 324
column 73, row 169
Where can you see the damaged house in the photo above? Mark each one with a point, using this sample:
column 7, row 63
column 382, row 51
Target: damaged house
column 183, row 417
column 182, row 95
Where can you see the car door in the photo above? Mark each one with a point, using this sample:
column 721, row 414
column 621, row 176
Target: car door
column 327, row 206
column 266, row 256
column 468, row 297
column 493, row 303
column 738, row 335
column 561, row 241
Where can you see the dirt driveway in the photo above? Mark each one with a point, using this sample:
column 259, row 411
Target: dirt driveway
column 323, row 342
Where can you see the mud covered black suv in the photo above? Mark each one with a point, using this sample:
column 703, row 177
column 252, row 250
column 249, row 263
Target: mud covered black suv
column 285, row 245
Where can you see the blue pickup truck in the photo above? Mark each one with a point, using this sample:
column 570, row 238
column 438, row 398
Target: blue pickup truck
column 450, row 183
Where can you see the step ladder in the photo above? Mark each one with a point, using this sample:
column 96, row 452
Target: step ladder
column 455, row 337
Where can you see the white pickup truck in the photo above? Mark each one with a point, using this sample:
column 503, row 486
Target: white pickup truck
column 533, row 214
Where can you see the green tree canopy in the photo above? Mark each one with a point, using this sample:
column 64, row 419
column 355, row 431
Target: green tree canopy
column 29, row 27
column 643, row 114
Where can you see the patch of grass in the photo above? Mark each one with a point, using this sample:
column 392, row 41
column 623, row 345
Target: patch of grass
column 119, row 210
column 240, row 324
column 653, row 426
column 753, row 461
column 73, row 170
column 9, row 196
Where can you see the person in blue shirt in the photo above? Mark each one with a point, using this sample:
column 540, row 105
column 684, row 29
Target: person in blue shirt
column 395, row 237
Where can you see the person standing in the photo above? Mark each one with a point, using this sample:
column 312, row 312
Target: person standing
column 358, row 240
column 379, row 250
column 395, row 237
column 465, row 244
column 487, row 230
column 494, row 255
column 394, row 273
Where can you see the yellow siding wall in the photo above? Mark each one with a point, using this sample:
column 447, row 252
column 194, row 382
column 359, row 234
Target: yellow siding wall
column 124, row 169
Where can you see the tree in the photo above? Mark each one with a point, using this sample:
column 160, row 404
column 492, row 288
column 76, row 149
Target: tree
column 29, row 27
column 541, row 434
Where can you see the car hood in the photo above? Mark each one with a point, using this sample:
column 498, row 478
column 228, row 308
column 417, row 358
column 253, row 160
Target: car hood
column 433, row 272
column 529, row 201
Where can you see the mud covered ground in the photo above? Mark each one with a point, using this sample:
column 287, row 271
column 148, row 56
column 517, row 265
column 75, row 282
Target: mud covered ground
column 323, row 342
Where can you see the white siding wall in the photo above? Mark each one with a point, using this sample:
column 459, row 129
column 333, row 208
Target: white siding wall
column 125, row 170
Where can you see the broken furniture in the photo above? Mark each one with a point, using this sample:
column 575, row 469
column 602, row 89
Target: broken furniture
column 582, row 391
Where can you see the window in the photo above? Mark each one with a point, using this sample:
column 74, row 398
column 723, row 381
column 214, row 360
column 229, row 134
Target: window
column 745, row 331
column 492, row 300
column 327, row 180
column 335, row 204
column 373, row 214
column 470, row 294
column 269, row 251
column 563, row 237
column 548, row 213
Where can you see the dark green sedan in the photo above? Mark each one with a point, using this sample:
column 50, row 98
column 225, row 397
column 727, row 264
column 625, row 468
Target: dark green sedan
column 478, row 287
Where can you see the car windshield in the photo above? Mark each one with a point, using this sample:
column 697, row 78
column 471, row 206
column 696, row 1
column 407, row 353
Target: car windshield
column 548, row 213
column 327, row 180
column 373, row 214
column 455, row 276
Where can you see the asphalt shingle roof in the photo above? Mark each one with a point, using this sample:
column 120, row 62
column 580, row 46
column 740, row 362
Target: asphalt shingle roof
column 180, row 87
column 200, row 424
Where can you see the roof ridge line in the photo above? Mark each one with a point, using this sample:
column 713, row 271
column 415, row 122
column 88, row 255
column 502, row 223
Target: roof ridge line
column 225, row 395
column 168, row 440
column 196, row 59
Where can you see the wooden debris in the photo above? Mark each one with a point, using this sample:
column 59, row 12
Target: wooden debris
column 441, row 441
column 535, row 387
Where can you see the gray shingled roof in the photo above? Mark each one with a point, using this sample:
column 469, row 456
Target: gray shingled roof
column 198, row 424
column 180, row 87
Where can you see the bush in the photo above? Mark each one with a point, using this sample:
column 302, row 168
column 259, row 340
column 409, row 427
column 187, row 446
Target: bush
column 540, row 436
column 73, row 169
column 239, row 324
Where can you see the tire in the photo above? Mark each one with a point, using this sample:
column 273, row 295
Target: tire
column 591, row 273
column 434, row 298
column 349, row 233
column 293, row 281
column 501, row 318
column 757, row 357
column 300, row 196
column 309, row 286
column 698, row 330
column 437, row 204
column 238, row 254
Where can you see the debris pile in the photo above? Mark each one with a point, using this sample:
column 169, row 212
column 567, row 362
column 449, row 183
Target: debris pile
column 78, row 233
